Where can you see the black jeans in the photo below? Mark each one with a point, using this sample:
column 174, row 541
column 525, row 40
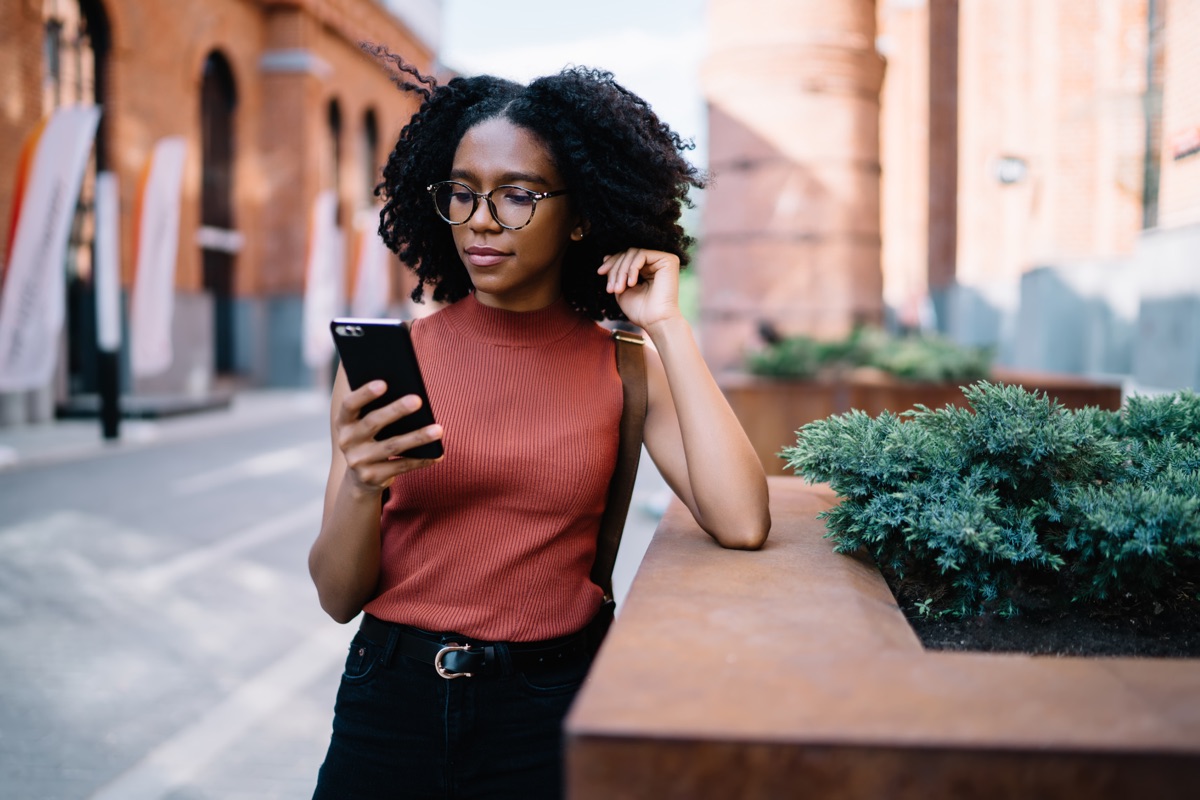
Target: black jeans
column 402, row 731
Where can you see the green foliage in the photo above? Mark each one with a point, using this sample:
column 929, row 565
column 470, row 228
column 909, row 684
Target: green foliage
column 1015, row 495
column 796, row 357
column 926, row 357
column 931, row 359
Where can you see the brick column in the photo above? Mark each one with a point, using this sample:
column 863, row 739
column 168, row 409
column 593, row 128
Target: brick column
column 791, row 222
column 943, row 148
column 294, row 121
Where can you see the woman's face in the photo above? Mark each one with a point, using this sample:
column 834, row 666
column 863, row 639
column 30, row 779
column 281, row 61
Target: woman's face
column 517, row 270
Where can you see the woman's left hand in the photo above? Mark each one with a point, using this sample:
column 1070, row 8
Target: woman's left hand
column 646, row 283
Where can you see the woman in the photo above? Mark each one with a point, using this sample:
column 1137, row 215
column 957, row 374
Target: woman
column 533, row 211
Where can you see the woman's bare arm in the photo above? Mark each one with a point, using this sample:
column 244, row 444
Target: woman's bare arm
column 345, row 558
column 691, row 432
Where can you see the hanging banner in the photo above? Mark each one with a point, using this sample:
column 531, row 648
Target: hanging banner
column 156, row 247
column 47, row 188
column 373, row 276
column 108, row 263
column 323, row 292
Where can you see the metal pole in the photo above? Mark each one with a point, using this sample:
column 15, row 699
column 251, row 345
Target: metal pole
column 108, row 304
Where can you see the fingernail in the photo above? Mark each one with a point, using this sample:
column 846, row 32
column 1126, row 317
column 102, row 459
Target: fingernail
column 377, row 387
column 434, row 431
column 412, row 402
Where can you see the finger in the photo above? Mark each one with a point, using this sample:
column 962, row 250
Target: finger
column 612, row 269
column 619, row 278
column 635, row 269
column 381, row 417
column 353, row 402
column 397, row 446
column 375, row 462
column 606, row 264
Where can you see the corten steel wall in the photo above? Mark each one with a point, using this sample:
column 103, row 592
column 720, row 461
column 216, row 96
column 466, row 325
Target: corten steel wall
column 791, row 222
column 1179, row 193
column 289, row 59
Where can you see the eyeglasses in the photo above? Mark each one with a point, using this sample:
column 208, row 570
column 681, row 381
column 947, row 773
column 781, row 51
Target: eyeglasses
column 512, row 206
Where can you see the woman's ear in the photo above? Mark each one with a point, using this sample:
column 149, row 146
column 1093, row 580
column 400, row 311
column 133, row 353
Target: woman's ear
column 579, row 231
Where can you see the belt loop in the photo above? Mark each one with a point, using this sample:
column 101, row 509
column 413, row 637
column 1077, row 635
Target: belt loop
column 389, row 649
column 503, row 656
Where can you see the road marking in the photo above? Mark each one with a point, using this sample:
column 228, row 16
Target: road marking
column 306, row 517
column 260, row 466
column 179, row 759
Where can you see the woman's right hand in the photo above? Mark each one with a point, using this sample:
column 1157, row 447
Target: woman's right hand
column 371, row 465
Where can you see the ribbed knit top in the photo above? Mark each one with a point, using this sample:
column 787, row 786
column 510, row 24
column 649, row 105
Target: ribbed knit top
column 497, row 540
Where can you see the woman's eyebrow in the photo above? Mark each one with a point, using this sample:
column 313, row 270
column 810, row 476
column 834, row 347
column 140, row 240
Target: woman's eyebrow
column 507, row 177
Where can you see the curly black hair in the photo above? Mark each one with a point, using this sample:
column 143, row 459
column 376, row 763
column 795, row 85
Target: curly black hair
column 628, row 179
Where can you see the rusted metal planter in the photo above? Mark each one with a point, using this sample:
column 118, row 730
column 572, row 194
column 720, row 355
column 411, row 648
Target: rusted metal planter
column 772, row 410
column 790, row 672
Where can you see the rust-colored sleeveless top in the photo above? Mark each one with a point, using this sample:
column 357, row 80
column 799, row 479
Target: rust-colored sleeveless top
column 497, row 540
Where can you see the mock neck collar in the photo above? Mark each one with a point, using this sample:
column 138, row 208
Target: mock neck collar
column 505, row 328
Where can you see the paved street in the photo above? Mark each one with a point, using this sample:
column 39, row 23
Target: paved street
column 159, row 635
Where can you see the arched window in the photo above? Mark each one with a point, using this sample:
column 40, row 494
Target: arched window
column 218, row 238
column 218, row 101
column 334, row 117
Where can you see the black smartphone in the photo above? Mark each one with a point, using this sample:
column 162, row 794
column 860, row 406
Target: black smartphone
column 382, row 349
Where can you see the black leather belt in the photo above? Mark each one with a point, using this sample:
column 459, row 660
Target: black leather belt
column 455, row 656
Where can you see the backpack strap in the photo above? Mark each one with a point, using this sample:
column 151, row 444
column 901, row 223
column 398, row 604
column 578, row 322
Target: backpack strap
column 631, row 365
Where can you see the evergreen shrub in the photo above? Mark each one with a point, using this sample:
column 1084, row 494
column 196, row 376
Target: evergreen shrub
column 919, row 357
column 1016, row 502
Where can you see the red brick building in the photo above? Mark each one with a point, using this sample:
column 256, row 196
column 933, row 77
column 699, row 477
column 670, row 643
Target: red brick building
column 1027, row 170
column 1050, row 141
column 275, row 101
column 791, row 232
column 1179, row 181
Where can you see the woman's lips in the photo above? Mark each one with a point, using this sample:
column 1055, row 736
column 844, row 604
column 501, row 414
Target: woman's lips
column 485, row 256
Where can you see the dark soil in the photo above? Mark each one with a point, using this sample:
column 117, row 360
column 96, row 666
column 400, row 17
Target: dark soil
column 1165, row 627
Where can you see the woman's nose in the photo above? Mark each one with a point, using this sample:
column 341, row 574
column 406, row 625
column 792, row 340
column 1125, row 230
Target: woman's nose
column 482, row 218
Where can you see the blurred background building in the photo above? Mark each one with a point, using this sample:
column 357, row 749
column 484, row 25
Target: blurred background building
column 1018, row 173
column 276, row 105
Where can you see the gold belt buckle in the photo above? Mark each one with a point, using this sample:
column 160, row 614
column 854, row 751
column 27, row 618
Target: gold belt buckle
column 441, row 670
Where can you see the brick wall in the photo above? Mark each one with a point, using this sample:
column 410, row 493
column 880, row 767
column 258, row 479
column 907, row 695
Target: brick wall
column 1058, row 86
column 20, row 94
column 791, row 220
column 1179, row 195
column 1053, row 89
column 156, row 71
column 289, row 59
column 904, row 151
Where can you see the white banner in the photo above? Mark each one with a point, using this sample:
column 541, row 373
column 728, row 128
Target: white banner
column 373, row 276
column 32, row 306
column 157, row 248
column 107, row 275
column 323, row 293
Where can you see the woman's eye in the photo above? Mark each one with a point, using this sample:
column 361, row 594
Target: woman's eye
column 518, row 197
column 460, row 197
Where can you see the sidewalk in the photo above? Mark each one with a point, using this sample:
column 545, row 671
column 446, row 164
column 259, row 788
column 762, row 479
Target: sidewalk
column 158, row 660
column 70, row 439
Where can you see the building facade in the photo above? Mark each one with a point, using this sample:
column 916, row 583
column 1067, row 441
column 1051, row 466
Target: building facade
column 1076, row 187
column 1021, row 174
column 791, row 227
column 276, row 103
